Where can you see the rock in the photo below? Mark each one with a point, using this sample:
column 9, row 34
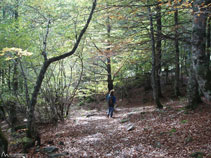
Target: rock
column 89, row 115
column 130, row 127
column 108, row 155
column 131, row 113
column 58, row 155
column 50, row 149
column 124, row 120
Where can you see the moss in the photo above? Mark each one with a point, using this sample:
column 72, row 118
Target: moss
column 27, row 143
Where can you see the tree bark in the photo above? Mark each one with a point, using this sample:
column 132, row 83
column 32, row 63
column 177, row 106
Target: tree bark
column 159, row 47
column 192, row 90
column 208, row 41
column 15, row 77
column 154, row 71
column 3, row 144
column 8, row 78
column 199, row 58
column 31, row 120
column 177, row 67
column 109, row 80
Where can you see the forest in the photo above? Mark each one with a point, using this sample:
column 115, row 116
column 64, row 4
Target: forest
column 61, row 61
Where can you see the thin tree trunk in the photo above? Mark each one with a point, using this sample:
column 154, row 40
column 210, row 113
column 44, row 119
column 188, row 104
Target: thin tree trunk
column 109, row 80
column 177, row 70
column 159, row 47
column 8, row 78
column 154, row 71
column 208, row 41
column 15, row 77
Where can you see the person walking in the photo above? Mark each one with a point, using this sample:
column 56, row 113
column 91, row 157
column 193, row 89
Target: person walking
column 111, row 99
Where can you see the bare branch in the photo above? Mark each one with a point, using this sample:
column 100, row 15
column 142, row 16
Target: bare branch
column 45, row 41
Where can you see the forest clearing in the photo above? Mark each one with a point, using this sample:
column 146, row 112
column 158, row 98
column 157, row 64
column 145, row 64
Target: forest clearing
column 104, row 78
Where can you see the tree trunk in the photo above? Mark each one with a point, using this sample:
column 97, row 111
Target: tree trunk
column 199, row 58
column 31, row 120
column 154, row 68
column 192, row 90
column 109, row 80
column 31, row 125
column 3, row 144
column 177, row 68
column 208, row 41
column 8, row 78
column 12, row 104
column 158, row 48
column 15, row 77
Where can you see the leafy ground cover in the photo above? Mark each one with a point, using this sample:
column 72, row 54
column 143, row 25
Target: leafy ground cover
column 133, row 132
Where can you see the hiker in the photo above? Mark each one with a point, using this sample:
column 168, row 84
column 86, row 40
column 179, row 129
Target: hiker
column 111, row 99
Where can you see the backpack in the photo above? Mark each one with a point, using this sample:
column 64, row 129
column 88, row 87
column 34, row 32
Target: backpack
column 110, row 100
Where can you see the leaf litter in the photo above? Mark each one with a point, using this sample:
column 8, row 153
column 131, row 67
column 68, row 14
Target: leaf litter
column 168, row 133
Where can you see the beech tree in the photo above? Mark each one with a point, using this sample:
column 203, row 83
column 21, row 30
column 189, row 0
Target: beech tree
column 154, row 62
column 202, row 73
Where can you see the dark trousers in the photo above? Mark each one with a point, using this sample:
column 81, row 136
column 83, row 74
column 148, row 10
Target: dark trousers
column 110, row 111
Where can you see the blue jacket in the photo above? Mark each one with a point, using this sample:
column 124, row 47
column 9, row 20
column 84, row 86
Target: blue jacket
column 113, row 99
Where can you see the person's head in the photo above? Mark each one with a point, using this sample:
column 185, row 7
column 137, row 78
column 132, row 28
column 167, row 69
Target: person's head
column 112, row 92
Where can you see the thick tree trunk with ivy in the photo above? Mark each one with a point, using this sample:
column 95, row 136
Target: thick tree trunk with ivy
column 158, row 47
column 154, row 67
column 199, row 58
column 177, row 67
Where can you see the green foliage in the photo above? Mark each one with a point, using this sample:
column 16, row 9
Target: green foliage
column 184, row 121
column 173, row 130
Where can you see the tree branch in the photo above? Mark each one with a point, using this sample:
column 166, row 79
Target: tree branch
column 79, row 37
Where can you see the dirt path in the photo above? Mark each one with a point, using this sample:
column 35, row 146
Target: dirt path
column 162, row 134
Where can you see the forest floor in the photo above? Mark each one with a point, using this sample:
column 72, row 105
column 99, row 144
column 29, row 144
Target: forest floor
column 138, row 132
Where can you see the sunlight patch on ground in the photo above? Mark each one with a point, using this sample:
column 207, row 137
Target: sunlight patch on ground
column 91, row 138
column 93, row 118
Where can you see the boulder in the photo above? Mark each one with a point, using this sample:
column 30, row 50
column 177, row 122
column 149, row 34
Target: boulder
column 58, row 155
column 50, row 149
column 130, row 127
